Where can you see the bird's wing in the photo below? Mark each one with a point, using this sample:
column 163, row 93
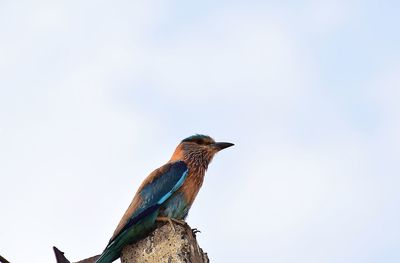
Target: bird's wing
column 154, row 191
column 142, row 213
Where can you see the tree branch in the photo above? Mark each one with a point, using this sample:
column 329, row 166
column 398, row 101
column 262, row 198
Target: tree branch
column 176, row 244
column 166, row 245
column 3, row 260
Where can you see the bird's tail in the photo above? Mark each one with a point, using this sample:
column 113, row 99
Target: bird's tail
column 109, row 255
column 136, row 228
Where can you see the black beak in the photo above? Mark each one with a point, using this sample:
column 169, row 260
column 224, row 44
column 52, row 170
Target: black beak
column 222, row 145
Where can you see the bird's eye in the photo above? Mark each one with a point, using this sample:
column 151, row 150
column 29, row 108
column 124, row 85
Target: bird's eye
column 204, row 142
column 200, row 142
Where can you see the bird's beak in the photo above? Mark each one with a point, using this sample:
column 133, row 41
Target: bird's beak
column 222, row 145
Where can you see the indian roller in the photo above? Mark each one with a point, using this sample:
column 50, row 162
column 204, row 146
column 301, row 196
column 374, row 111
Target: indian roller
column 166, row 194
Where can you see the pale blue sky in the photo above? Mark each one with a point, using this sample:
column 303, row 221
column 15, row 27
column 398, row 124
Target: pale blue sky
column 95, row 95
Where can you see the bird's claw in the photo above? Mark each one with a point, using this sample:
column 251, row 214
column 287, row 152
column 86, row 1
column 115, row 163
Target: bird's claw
column 180, row 222
column 171, row 221
column 195, row 231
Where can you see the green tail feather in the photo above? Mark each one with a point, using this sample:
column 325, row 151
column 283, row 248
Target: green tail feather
column 129, row 236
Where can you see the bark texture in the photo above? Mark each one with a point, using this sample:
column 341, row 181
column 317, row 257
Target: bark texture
column 166, row 245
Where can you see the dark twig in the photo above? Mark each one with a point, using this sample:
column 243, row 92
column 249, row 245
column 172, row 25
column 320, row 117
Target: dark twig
column 60, row 256
column 3, row 260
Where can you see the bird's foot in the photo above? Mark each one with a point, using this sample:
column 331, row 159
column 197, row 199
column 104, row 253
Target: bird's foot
column 180, row 222
column 171, row 220
column 166, row 219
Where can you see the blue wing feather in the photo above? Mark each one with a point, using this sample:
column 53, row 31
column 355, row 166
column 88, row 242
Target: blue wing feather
column 165, row 185
column 158, row 191
column 153, row 195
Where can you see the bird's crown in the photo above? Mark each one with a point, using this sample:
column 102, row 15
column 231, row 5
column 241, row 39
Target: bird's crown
column 199, row 139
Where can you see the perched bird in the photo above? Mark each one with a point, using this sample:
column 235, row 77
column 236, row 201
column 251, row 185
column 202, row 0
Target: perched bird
column 166, row 194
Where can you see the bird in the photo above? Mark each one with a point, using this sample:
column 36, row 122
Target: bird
column 166, row 194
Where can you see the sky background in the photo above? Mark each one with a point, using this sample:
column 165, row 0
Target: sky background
column 94, row 95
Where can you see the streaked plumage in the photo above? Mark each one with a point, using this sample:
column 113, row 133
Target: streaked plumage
column 169, row 191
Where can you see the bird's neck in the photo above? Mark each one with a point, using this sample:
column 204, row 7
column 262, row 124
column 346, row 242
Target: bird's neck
column 197, row 161
column 177, row 155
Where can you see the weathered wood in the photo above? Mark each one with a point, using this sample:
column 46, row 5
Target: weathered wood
column 60, row 258
column 164, row 244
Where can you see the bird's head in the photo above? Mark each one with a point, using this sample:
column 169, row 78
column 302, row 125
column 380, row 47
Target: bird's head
column 198, row 149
